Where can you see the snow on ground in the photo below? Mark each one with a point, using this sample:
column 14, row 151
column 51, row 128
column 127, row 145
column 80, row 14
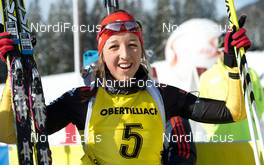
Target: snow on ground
column 255, row 60
column 54, row 86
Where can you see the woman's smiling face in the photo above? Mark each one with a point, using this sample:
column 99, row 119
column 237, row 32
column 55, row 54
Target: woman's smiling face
column 122, row 54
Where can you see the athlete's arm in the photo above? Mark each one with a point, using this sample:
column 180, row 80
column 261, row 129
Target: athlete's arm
column 177, row 151
column 233, row 104
column 71, row 107
column 178, row 102
column 7, row 127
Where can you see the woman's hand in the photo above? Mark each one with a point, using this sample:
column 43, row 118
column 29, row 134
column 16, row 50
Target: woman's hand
column 6, row 45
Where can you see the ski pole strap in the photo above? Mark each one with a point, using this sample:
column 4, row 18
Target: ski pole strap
column 6, row 36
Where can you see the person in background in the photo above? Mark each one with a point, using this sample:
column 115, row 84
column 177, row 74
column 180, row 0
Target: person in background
column 236, row 131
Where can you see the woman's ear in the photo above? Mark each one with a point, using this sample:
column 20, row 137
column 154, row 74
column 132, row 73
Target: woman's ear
column 103, row 58
column 143, row 57
column 174, row 59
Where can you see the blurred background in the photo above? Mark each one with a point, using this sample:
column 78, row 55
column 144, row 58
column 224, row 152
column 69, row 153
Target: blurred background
column 55, row 53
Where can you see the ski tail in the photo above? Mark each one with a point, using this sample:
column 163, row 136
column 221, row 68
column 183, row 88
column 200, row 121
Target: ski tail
column 251, row 108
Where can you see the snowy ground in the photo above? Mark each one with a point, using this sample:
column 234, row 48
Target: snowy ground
column 54, row 86
column 255, row 60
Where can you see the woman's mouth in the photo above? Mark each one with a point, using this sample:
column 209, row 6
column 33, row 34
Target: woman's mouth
column 125, row 66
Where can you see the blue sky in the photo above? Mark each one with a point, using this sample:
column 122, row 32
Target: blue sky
column 238, row 3
column 149, row 4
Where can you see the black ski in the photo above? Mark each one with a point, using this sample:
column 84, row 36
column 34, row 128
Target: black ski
column 27, row 94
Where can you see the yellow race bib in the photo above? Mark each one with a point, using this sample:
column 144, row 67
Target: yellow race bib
column 125, row 129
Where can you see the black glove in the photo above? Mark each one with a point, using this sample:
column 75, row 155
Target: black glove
column 236, row 39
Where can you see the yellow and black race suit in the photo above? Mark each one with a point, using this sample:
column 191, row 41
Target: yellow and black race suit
column 127, row 128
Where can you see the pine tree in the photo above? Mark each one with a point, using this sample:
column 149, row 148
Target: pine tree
column 199, row 9
column 209, row 9
column 94, row 17
column 59, row 54
column 254, row 23
column 148, row 30
column 161, row 34
column 177, row 11
column 83, row 22
column 36, row 21
column 124, row 5
column 134, row 7
column 35, row 13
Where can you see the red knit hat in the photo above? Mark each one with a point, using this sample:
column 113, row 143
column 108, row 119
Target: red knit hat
column 119, row 16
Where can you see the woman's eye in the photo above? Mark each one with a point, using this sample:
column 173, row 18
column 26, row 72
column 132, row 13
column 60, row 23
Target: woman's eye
column 113, row 47
column 133, row 45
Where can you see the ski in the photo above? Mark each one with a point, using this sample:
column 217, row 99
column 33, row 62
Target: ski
column 27, row 93
column 251, row 108
column 20, row 104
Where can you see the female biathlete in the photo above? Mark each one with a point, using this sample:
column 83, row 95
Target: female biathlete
column 123, row 116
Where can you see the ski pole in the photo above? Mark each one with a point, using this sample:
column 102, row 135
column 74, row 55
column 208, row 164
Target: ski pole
column 247, row 86
column 111, row 6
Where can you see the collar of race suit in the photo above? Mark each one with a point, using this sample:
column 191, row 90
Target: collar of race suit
column 125, row 87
